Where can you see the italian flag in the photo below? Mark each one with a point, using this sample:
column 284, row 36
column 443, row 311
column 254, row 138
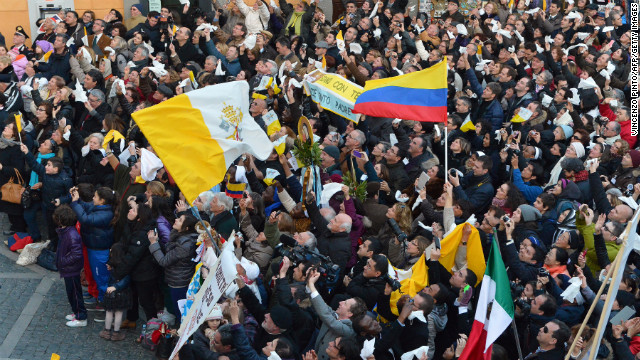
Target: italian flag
column 495, row 309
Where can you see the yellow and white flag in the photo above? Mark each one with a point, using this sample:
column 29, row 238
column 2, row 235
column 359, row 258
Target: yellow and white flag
column 198, row 135
column 467, row 125
column 340, row 41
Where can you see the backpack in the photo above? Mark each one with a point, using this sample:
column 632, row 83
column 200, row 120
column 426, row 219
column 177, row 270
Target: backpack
column 150, row 333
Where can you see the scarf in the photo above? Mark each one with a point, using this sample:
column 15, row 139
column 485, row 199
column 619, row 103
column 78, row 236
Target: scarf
column 112, row 135
column 555, row 173
column 139, row 180
column 34, row 175
column 557, row 270
column 5, row 143
column 295, row 21
column 498, row 202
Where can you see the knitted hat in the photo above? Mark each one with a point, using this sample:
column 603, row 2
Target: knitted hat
column 625, row 298
column 137, row 6
column 215, row 314
column 579, row 148
column 568, row 131
column 336, row 178
column 44, row 45
column 332, row 151
column 165, row 90
column 281, row 317
column 529, row 213
column 615, row 192
column 635, row 157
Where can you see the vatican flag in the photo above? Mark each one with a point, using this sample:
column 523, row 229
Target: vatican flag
column 198, row 135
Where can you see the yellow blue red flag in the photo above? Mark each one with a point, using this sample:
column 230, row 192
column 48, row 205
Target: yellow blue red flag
column 419, row 96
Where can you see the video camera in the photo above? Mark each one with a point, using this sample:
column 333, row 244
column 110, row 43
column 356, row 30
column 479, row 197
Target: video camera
column 329, row 272
column 396, row 229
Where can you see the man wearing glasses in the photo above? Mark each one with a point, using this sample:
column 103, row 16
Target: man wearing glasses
column 90, row 121
column 551, row 339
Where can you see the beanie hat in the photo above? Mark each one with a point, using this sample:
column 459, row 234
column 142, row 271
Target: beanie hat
column 578, row 147
column 574, row 240
column 44, row 45
column 215, row 314
column 529, row 213
column 614, row 192
column 635, row 157
column 625, row 298
column 165, row 90
column 332, row 151
column 568, row 131
column 336, row 178
column 137, row 6
column 281, row 317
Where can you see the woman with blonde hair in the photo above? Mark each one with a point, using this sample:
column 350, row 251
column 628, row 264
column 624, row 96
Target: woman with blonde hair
column 400, row 214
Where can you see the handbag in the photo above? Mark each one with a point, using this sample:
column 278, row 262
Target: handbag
column 47, row 259
column 30, row 196
column 12, row 191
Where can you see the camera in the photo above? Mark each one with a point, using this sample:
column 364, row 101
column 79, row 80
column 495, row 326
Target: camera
column 543, row 272
column 453, row 172
column 329, row 272
column 523, row 305
column 473, row 17
column 516, row 289
column 395, row 284
column 506, row 219
column 396, row 229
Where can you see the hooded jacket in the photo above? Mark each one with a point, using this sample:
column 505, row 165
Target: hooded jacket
column 176, row 259
column 69, row 258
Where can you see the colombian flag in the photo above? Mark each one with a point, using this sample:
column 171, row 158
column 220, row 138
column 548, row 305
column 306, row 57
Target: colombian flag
column 419, row 96
column 235, row 190
column 198, row 135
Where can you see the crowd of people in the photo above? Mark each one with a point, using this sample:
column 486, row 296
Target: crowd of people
column 541, row 148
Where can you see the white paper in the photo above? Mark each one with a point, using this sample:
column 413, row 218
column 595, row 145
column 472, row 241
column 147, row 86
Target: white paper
column 79, row 93
column 505, row 33
column 532, row 11
column 393, row 139
column 582, row 35
column 546, row 100
column 417, row 353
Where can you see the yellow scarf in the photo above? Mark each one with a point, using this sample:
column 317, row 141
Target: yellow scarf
column 295, row 20
column 112, row 135
column 140, row 180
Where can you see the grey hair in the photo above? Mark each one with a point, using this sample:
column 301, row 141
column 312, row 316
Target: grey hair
column 144, row 49
column 329, row 213
column 98, row 136
column 546, row 75
column 616, row 127
column 212, row 58
column 359, row 137
column 206, row 198
column 274, row 67
column 346, row 226
column 97, row 93
column 224, row 200
column 312, row 242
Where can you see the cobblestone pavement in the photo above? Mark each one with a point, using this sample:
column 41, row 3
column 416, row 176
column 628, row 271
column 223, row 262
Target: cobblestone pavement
column 32, row 324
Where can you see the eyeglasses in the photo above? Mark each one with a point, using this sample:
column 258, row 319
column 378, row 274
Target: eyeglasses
column 545, row 329
column 40, row 109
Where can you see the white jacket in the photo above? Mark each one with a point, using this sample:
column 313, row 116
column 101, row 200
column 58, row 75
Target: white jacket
column 255, row 20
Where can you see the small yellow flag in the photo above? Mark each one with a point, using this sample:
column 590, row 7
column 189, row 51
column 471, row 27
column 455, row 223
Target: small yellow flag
column 19, row 122
column 55, row 356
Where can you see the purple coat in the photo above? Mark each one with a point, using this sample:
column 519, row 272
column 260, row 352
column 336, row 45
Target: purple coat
column 70, row 259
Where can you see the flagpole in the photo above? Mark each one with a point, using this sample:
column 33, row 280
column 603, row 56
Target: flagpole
column 446, row 155
column 610, row 294
column 196, row 213
column 513, row 321
column 613, row 266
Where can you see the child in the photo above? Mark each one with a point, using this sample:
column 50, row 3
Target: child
column 212, row 323
column 70, row 262
column 96, row 220
column 118, row 296
column 47, row 170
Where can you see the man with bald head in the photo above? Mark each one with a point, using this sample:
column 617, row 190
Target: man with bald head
column 332, row 233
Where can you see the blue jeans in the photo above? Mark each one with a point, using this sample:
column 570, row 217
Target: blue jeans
column 98, row 262
column 74, row 294
column 30, row 217
column 177, row 294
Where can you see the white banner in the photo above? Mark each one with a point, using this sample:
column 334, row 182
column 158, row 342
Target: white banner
column 222, row 275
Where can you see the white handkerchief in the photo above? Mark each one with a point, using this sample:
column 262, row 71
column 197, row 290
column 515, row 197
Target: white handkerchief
column 588, row 83
column 546, row 100
column 79, row 92
column 377, row 33
column 374, row 12
column 582, row 35
column 417, row 353
column 401, row 197
column 539, row 48
column 574, row 15
column 419, row 315
column 149, row 165
column 219, row 71
column 605, row 74
column 532, row 11
column 570, row 293
column 504, row 33
column 110, row 50
column 397, row 36
column 548, row 39
column 481, row 11
column 450, row 34
column 369, row 345
column 428, row 228
column 250, row 41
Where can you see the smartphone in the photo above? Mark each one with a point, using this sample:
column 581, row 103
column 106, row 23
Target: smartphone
column 584, row 253
column 422, row 180
column 436, row 240
column 624, row 315
column 357, row 154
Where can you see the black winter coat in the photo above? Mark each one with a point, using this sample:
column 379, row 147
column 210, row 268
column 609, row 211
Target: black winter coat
column 11, row 159
column 138, row 261
column 58, row 64
column 176, row 259
column 53, row 186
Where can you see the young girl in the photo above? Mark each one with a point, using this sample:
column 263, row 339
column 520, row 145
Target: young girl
column 96, row 220
column 70, row 263
column 118, row 296
column 212, row 323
